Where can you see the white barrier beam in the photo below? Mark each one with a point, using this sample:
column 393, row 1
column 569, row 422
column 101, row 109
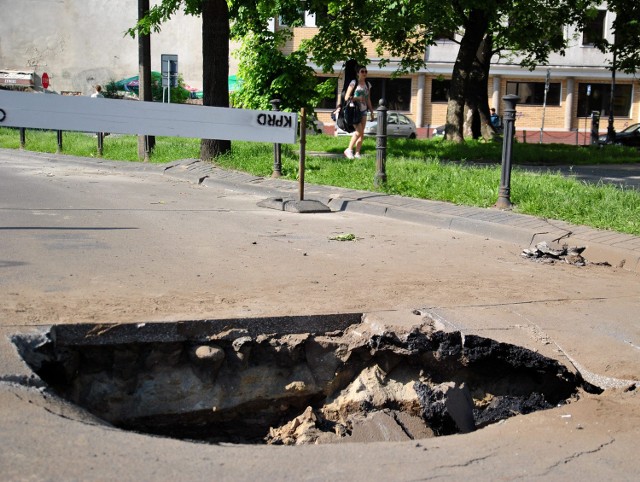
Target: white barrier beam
column 86, row 114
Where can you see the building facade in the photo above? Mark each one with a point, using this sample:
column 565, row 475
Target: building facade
column 579, row 84
column 81, row 44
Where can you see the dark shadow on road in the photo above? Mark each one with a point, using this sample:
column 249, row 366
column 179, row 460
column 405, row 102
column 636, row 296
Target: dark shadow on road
column 59, row 228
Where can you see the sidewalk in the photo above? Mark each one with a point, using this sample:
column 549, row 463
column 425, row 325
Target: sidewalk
column 618, row 249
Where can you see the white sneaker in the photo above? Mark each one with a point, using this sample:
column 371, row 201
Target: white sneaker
column 357, row 155
column 348, row 154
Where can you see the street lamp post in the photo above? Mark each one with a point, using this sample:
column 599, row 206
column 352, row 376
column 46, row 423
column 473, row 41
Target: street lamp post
column 504, row 192
column 611, row 131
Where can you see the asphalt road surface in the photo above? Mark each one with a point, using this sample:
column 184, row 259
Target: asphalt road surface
column 105, row 242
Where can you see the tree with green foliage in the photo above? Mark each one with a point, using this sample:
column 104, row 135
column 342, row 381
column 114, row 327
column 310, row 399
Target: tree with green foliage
column 405, row 29
column 400, row 29
column 526, row 37
column 265, row 71
column 268, row 73
column 179, row 94
column 215, row 53
column 625, row 49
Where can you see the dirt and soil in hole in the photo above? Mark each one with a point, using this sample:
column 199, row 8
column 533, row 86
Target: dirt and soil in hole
column 301, row 388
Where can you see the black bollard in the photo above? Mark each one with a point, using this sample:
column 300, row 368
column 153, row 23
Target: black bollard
column 381, row 145
column 59, row 136
column 509, row 118
column 277, row 148
column 23, row 137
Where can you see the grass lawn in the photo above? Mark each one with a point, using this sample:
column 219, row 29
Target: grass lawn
column 467, row 174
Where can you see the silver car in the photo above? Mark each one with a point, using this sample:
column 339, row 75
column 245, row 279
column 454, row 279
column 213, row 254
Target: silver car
column 398, row 125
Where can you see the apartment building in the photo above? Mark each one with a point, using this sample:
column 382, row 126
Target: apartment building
column 79, row 45
column 579, row 83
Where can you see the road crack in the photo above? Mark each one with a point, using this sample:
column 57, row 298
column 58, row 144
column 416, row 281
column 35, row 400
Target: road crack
column 576, row 456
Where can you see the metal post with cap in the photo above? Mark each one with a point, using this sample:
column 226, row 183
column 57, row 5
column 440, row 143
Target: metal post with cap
column 504, row 192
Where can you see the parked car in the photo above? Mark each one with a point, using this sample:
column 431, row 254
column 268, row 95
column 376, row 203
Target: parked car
column 398, row 125
column 627, row 137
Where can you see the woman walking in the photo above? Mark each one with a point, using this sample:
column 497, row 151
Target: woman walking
column 359, row 92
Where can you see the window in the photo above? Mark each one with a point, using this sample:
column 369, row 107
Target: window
column 330, row 101
column 440, row 90
column 398, row 119
column 397, row 93
column 594, row 28
column 532, row 93
column 597, row 96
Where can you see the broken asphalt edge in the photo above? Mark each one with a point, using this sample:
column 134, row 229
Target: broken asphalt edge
column 618, row 249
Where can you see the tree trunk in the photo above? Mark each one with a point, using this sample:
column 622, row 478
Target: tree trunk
column 215, row 68
column 475, row 29
column 477, row 97
column 455, row 106
column 145, row 143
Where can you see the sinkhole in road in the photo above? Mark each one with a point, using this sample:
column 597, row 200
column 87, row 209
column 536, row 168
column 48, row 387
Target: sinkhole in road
column 294, row 380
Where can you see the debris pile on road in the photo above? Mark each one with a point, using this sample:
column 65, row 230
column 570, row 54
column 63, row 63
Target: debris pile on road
column 546, row 254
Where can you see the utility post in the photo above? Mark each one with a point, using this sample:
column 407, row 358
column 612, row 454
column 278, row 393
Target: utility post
column 303, row 148
column 145, row 143
column 595, row 127
column 611, row 130
column 544, row 104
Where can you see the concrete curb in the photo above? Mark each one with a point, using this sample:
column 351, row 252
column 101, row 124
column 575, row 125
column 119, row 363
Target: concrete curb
column 618, row 249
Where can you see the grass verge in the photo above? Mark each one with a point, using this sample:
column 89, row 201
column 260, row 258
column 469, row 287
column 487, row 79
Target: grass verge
column 415, row 168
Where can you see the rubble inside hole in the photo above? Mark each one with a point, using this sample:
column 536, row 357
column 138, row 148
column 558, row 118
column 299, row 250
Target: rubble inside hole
column 294, row 388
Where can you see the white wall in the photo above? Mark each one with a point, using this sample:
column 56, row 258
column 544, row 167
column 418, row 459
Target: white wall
column 80, row 43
